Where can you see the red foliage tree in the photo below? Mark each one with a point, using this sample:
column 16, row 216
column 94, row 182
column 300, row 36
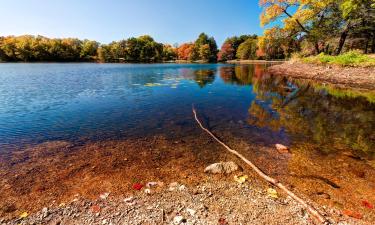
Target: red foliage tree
column 184, row 51
column 227, row 52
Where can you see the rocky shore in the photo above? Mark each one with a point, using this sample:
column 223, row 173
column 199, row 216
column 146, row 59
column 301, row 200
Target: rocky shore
column 345, row 77
column 219, row 202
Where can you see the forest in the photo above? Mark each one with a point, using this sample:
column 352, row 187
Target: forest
column 291, row 27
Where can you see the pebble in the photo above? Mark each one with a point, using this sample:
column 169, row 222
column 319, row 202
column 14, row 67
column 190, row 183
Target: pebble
column 151, row 184
column 173, row 186
column 104, row 195
column 178, row 220
column 182, row 188
column 148, row 191
column 191, row 211
column 45, row 212
column 129, row 199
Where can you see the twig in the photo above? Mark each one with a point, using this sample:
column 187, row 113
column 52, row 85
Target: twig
column 319, row 217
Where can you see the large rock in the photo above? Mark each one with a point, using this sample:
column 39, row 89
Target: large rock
column 222, row 167
column 282, row 148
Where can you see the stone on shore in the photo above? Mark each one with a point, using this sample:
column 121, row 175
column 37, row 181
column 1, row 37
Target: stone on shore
column 222, row 167
column 282, row 148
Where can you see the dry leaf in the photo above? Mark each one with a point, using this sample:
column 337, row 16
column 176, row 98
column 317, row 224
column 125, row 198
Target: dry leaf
column 241, row 179
column 367, row 204
column 24, row 215
column 272, row 193
column 352, row 214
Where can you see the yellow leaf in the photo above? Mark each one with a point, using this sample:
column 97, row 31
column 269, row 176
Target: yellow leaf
column 24, row 215
column 272, row 193
column 241, row 179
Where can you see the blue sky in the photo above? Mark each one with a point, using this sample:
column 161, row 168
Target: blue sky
column 168, row 21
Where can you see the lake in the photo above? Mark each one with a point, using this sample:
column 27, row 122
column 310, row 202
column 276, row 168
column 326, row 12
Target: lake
column 93, row 107
column 78, row 102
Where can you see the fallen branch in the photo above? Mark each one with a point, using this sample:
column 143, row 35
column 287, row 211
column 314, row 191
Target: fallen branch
column 319, row 217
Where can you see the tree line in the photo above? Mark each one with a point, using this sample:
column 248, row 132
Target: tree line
column 29, row 48
column 304, row 27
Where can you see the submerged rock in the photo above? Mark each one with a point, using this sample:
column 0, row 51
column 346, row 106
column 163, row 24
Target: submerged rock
column 222, row 167
column 282, row 148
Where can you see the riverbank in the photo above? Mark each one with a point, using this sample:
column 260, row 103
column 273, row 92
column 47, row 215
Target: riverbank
column 346, row 77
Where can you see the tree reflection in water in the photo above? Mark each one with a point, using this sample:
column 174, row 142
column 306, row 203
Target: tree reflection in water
column 201, row 76
column 332, row 118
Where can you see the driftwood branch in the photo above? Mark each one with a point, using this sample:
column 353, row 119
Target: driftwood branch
column 319, row 217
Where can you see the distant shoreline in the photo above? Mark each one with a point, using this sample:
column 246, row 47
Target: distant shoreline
column 253, row 61
column 162, row 62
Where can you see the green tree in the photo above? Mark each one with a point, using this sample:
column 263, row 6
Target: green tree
column 212, row 51
column 247, row 50
column 169, row 53
column 89, row 49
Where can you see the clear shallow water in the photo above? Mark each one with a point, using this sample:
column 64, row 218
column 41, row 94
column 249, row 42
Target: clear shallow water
column 79, row 102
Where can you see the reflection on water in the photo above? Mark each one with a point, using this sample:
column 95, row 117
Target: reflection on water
column 42, row 102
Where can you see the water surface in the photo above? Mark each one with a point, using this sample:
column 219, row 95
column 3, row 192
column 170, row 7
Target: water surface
column 78, row 102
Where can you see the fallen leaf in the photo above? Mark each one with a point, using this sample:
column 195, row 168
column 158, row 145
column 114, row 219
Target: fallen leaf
column 95, row 208
column 241, row 179
column 352, row 214
column 137, row 186
column 367, row 204
column 222, row 221
column 272, row 193
column 24, row 215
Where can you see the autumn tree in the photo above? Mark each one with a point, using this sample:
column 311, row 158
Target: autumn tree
column 169, row 52
column 227, row 52
column 230, row 46
column 247, row 50
column 322, row 22
column 184, row 51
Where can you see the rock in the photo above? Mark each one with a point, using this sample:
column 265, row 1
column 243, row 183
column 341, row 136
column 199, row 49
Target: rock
column 130, row 201
column 182, row 188
column 104, row 195
column 191, row 211
column 282, row 148
column 323, row 195
column 45, row 212
column 179, row 220
column 222, row 167
column 151, row 184
column 173, row 186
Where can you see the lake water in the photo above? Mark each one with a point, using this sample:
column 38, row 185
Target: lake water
column 79, row 102
column 92, row 128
